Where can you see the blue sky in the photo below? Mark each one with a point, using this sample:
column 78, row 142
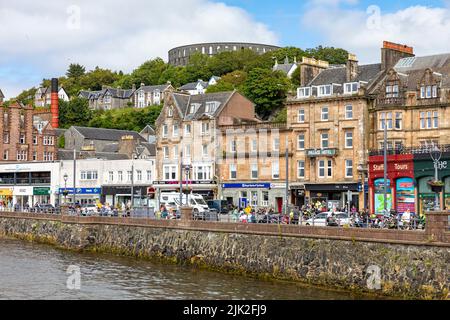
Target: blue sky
column 53, row 34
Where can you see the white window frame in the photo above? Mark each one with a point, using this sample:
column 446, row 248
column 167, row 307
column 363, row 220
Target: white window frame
column 347, row 167
column 323, row 113
column 349, row 87
column 301, row 118
column 321, row 167
column 205, row 150
column 301, row 140
column 301, row 168
column 252, row 171
column 348, row 138
column 275, row 170
column 233, row 168
column 303, row 92
column 175, row 130
column 349, row 112
column 322, row 90
column 205, row 129
column 187, row 131
column 165, row 131
column 166, row 152
column 276, row 144
column 322, row 140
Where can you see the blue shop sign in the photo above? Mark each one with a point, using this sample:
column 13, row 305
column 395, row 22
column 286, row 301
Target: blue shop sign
column 82, row 190
column 247, row 185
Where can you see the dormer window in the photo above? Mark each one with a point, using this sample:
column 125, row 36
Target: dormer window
column 392, row 91
column 210, row 107
column 303, row 93
column 193, row 108
column 325, row 90
column 428, row 92
column 350, row 88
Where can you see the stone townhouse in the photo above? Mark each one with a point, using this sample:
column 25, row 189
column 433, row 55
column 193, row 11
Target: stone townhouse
column 328, row 119
column 42, row 97
column 187, row 132
column 410, row 100
column 108, row 98
column 26, row 136
column 150, row 95
column 253, row 164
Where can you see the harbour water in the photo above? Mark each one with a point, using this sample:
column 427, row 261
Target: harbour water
column 34, row 271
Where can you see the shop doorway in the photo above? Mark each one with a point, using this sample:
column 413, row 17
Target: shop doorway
column 279, row 204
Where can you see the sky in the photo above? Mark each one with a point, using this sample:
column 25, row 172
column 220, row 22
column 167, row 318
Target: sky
column 40, row 39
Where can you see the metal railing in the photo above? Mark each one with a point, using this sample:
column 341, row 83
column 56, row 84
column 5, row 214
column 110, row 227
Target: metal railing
column 411, row 150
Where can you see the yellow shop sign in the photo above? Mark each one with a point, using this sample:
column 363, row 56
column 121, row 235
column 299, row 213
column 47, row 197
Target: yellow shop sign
column 6, row 192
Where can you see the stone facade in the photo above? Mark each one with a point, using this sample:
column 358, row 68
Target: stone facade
column 180, row 56
column 26, row 136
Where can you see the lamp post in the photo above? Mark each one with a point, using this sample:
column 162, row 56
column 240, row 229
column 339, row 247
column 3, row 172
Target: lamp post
column 65, row 187
column 436, row 155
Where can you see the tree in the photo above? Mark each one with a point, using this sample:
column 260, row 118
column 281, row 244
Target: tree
column 75, row 71
column 229, row 82
column 76, row 112
column 27, row 96
column 267, row 89
column 197, row 68
column 330, row 54
column 176, row 75
column 95, row 79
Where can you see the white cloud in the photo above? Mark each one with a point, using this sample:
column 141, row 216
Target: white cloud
column 362, row 32
column 43, row 36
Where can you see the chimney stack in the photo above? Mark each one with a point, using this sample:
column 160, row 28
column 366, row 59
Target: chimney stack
column 310, row 68
column 391, row 53
column 352, row 68
column 54, row 107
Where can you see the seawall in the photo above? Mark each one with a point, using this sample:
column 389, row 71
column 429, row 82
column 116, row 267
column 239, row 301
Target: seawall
column 413, row 271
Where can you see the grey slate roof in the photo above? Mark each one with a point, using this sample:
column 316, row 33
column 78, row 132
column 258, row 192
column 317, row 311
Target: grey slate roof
column 119, row 93
column 106, row 134
column 284, row 67
column 185, row 101
column 64, row 154
column 151, row 147
column 60, row 132
column 1, row 94
column 338, row 75
column 193, row 85
column 161, row 88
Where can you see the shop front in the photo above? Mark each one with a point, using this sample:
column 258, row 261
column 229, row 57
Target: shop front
column 424, row 172
column 257, row 195
column 6, row 198
column 333, row 196
column 298, row 194
column 400, row 186
column 41, row 195
column 82, row 195
column 23, row 197
column 208, row 189
column 120, row 196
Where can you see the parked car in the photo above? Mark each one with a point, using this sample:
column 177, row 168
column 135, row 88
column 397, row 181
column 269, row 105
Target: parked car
column 319, row 220
column 89, row 210
column 43, row 207
column 210, row 215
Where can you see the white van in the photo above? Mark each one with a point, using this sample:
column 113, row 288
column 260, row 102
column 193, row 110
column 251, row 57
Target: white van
column 196, row 201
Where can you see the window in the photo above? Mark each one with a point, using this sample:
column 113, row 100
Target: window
column 303, row 92
column 422, row 92
column 202, row 173
column 325, row 91
column 22, row 155
column 111, row 176
column 429, row 120
column 149, row 175
column 22, row 139
column 139, row 175
column 428, row 92
column 129, row 175
column 265, row 198
column 330, row 169
column 301, row 115
column 324, row 114
column 34, row 156
column 275, row 170
column 166, row 152
column 205, row 150
column 233, row 146
column 321, row 169
column 175, row 152
column 350, row 88
column 6, row 137
column 210, row 107
column 5, row 155
column 89, row 175
column 301, row 169
column 254, row 145
column 187, row 151
column 301, row 142
column 254, row 171
column 170, row 173
column 349, row 168
column 35, row 139
column 48, row 140
column 389, row 145
column 205, row 128
column 398, row 120
column 435, row 91
column 349, row 139
column 392, row 91
column 120, row 176
column 48, row 156
column 193, row 108
column 276, row 144
column 175, row 130
column 187, row 129
column 165, row 131
column 254, row 195
column 170, row 112
column 348, row 112
column 233, row 172
column 385, row 117
column 324, row 140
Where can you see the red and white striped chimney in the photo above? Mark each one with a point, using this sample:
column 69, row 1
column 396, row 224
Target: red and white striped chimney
column 54, row 108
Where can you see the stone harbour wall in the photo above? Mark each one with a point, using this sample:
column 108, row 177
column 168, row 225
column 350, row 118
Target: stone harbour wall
column 405, row 271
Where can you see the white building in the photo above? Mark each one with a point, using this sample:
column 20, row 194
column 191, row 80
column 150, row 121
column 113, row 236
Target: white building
column 150, row 95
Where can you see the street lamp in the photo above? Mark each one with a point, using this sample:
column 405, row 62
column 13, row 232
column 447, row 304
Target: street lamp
column 436, row 155
column 65, row 187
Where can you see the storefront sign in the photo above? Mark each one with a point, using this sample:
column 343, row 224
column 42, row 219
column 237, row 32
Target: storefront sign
column 405, row 193
column 81, row 190
column 247, row 185
column 333, row 187
column 23, row 191
column 314, row 153
column 124, row 190
column 184, row 182
column 41, row 191
column 6, row 192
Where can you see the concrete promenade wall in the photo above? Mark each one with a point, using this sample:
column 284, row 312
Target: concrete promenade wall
column 410, row 264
